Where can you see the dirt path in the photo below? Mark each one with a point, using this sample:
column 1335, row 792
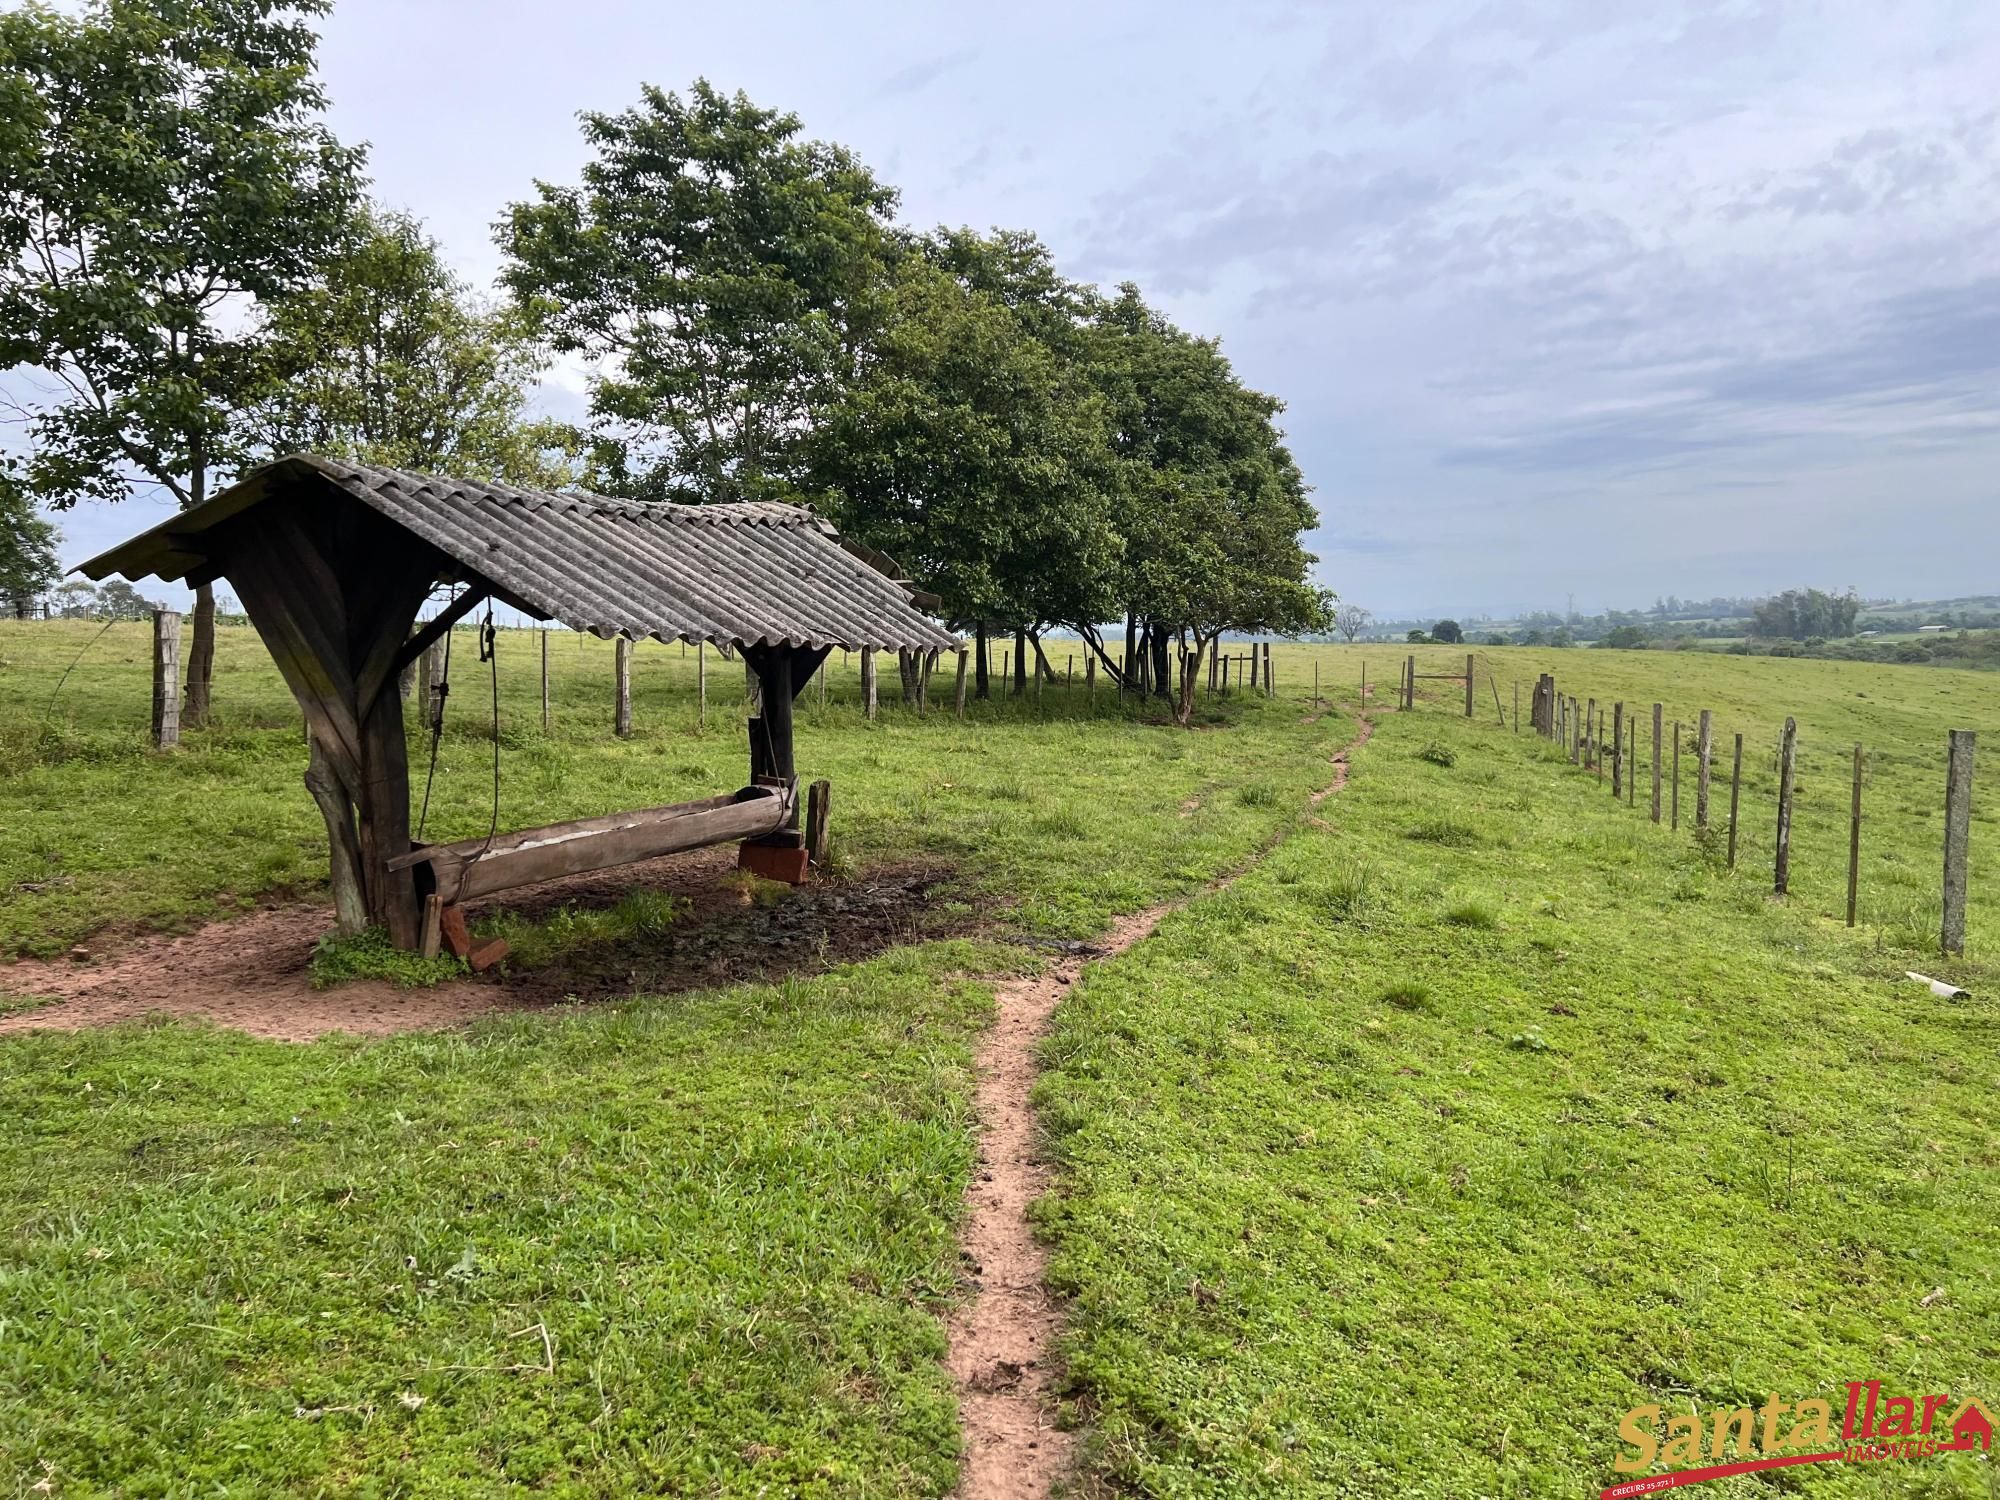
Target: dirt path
column 251, row 973
column 1003, row 1337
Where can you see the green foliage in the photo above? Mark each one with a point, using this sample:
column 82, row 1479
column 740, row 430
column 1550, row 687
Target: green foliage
column 970, row 448
column 1447, row 633
column 1473, row 911
column 160, row 163
column 724, row 270
column 1798, row 614
column 1437, row 753
column 370, row 955
column 384, row 359
column 1623, row 638
column 28, row 561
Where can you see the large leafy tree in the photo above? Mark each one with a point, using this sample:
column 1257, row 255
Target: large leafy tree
column 1213, row 504
column 974, row 454
column 163, row 168
column 28, row 563
column 387, row 359
column 721, row 272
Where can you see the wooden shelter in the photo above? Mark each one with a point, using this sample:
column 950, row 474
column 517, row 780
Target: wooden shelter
column 333, row 560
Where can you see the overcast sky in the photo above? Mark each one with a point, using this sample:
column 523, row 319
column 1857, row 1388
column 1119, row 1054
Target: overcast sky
column 1559, row 300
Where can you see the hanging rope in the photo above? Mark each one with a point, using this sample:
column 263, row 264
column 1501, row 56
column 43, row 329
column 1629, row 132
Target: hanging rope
column 489, row 652
column 440, row 690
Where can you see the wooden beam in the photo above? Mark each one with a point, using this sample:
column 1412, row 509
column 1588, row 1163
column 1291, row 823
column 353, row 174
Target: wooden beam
column 434, row 629
column 529, row 856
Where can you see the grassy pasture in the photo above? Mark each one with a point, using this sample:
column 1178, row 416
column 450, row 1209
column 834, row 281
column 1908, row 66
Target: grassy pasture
column 1487, row 1112
column 1465, row 1122
column 1899, row 715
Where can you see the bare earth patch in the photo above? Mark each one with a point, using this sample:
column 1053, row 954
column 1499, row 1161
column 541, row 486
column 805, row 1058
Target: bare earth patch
column 250, row 973
column 1003, row 1336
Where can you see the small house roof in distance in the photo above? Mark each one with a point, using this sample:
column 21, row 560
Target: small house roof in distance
column 741, row 575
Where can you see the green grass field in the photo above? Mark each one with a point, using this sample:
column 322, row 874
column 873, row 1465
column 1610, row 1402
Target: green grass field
column 1478, row 1112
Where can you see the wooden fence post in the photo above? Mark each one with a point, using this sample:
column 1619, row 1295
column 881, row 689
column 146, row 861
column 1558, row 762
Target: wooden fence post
column 1788, row 756
column 166, row 678
column 818, row 795
column 701, row 684
column 1576, row 734
column 1590, row 732
column 545, row 679
column 1957, row 837
column 621, row 724
column 1735, row 797
column 1410, row 682
column 1468, row 686
column 1315, row 682
column 1704, row 754
column 1632, row 777
column 868, row 681
column 430, row 680
column 1617, row 750
column 1270, row 673
column 1657, row 748
column 1517, row 705
column 958, row 688
column 1677, row 776
column 1854, row 844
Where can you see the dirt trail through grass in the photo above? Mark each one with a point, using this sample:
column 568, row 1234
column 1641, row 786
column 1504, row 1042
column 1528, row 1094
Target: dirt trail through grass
column 1003, row 1338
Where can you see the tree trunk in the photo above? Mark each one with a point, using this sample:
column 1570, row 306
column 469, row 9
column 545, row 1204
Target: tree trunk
column 983, row 688
column 199, row 668
column 350, row 901
column 1184, row 708
column 1020, row 661
column 1129, row 672
column 1163, row 681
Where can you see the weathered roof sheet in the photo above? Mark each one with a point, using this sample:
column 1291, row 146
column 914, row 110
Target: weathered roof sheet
column 747, row 575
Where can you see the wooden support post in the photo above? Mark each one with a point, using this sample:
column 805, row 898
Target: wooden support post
column 1364, row 682
column 1632, row 777
column 1252, row 679
column 1469, row 679
column 958, row 689
column 1589, row 732
column 1854, row 845
column 1957, row 837
column 166, row 678
column 1214, row 669
column 1781, row 876
column 1270, row 673
column 1090, row 678
column 1517, row 705
column 1704, row 756
column 622, row 718
column 1410, row 682
column 1735, row 798
column 1617, row 750
column 701, row 684
column 818, row 796
column 868, row 681
column 1677, row 776
column 1576, row 733
column 544, row 633
column 1658, row 748
column 431, row 935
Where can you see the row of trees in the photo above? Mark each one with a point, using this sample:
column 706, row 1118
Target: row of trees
column 192, row 270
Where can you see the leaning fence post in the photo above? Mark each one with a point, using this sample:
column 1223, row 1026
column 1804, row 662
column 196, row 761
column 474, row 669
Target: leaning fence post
column 1957, row 837
column 958, row 688
column 868, row 682
column 166, row 678
column 1854, row 844
column 1787, row 765
column 1735, row 796
column 621, row 716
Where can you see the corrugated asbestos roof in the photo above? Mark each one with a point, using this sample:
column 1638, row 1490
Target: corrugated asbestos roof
column 747, row 575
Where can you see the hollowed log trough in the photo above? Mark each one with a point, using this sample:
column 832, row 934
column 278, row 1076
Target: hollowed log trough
column 479, row 867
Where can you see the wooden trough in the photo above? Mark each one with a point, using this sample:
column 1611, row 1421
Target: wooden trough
column 333, row 560
column 480, row 867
